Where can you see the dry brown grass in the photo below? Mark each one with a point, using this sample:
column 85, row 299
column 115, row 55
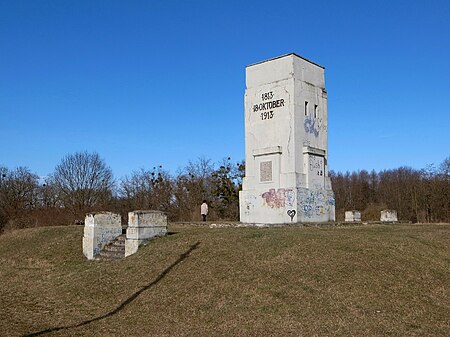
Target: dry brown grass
column 377, row 280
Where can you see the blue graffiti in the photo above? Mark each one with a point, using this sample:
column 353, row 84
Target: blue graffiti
column 310, row 126
column 307, row 210
column 315, row 203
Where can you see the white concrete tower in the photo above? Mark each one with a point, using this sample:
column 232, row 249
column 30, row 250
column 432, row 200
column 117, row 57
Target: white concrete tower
column 286, row 143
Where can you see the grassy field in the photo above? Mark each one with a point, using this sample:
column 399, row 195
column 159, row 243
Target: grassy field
column 372, row 280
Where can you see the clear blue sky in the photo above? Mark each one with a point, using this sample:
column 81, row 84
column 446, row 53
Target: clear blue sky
column 147, row 83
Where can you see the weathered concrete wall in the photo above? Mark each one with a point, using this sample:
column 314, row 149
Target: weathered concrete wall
column 352, row 216
column 286, row 144
column 388, row 215
column 142, row 226
column 99, row 229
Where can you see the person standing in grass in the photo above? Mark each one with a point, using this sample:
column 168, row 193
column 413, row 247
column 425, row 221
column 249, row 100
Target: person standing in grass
column 204, row 210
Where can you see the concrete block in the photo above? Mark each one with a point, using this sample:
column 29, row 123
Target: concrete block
column 352, row 216
column 99, row 229
column 132, row 246
column 147, row 218
column 142, row 233
column 143, row 226
column 388, row 215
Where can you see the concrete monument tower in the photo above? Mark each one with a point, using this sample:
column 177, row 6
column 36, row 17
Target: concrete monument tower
column 286, row 143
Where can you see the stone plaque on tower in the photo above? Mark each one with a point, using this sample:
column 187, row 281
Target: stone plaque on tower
column 286, row 143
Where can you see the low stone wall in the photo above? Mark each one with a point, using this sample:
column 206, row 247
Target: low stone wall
column 388, row 215
column 142, row 226
column 352, row 216
column 99, row 229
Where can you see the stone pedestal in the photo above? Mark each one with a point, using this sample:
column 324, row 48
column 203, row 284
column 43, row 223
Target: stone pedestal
column 99, row 229
column 142, row 226
column 388, row 215
column 352, row 216
column 286, row 144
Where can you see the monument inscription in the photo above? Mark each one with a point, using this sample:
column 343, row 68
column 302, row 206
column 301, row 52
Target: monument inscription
column 267, row 104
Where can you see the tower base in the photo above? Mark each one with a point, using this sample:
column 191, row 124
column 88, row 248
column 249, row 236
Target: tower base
column 287, row 205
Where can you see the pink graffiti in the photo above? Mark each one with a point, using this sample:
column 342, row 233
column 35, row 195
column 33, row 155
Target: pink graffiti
column 279, row 198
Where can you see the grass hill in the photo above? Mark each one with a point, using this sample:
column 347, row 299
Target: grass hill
column 372, row 280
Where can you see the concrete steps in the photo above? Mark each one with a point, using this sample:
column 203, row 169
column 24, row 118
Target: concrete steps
column 114, row 250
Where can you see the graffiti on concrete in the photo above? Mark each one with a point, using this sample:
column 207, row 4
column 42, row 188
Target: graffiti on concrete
column 316, row 165
column 289, row 197
column 96, row 251
column 249, row 204
column 280, row 198
column 315, row 203
column 291, row 213
column 104, row 237
column 311, row 126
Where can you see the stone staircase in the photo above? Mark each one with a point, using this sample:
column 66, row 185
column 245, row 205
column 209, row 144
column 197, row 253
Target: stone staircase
column 105, row 238
column 114, row 250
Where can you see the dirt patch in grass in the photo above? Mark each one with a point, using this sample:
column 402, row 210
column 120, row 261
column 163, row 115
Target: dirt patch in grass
column 371, row 280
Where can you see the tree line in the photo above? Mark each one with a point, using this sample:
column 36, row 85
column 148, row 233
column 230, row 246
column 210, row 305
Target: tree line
column 417, row 195
column 82, row 182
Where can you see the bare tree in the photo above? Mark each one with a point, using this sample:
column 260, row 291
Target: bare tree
column 48, row 195
column 82, row 181
column 192, row 185
column 147, row 189
column 3, row 215
column 227, row 180
column 17, row 193
column 18, row 189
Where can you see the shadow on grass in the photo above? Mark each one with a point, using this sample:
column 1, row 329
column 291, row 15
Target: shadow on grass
column 126, row 302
